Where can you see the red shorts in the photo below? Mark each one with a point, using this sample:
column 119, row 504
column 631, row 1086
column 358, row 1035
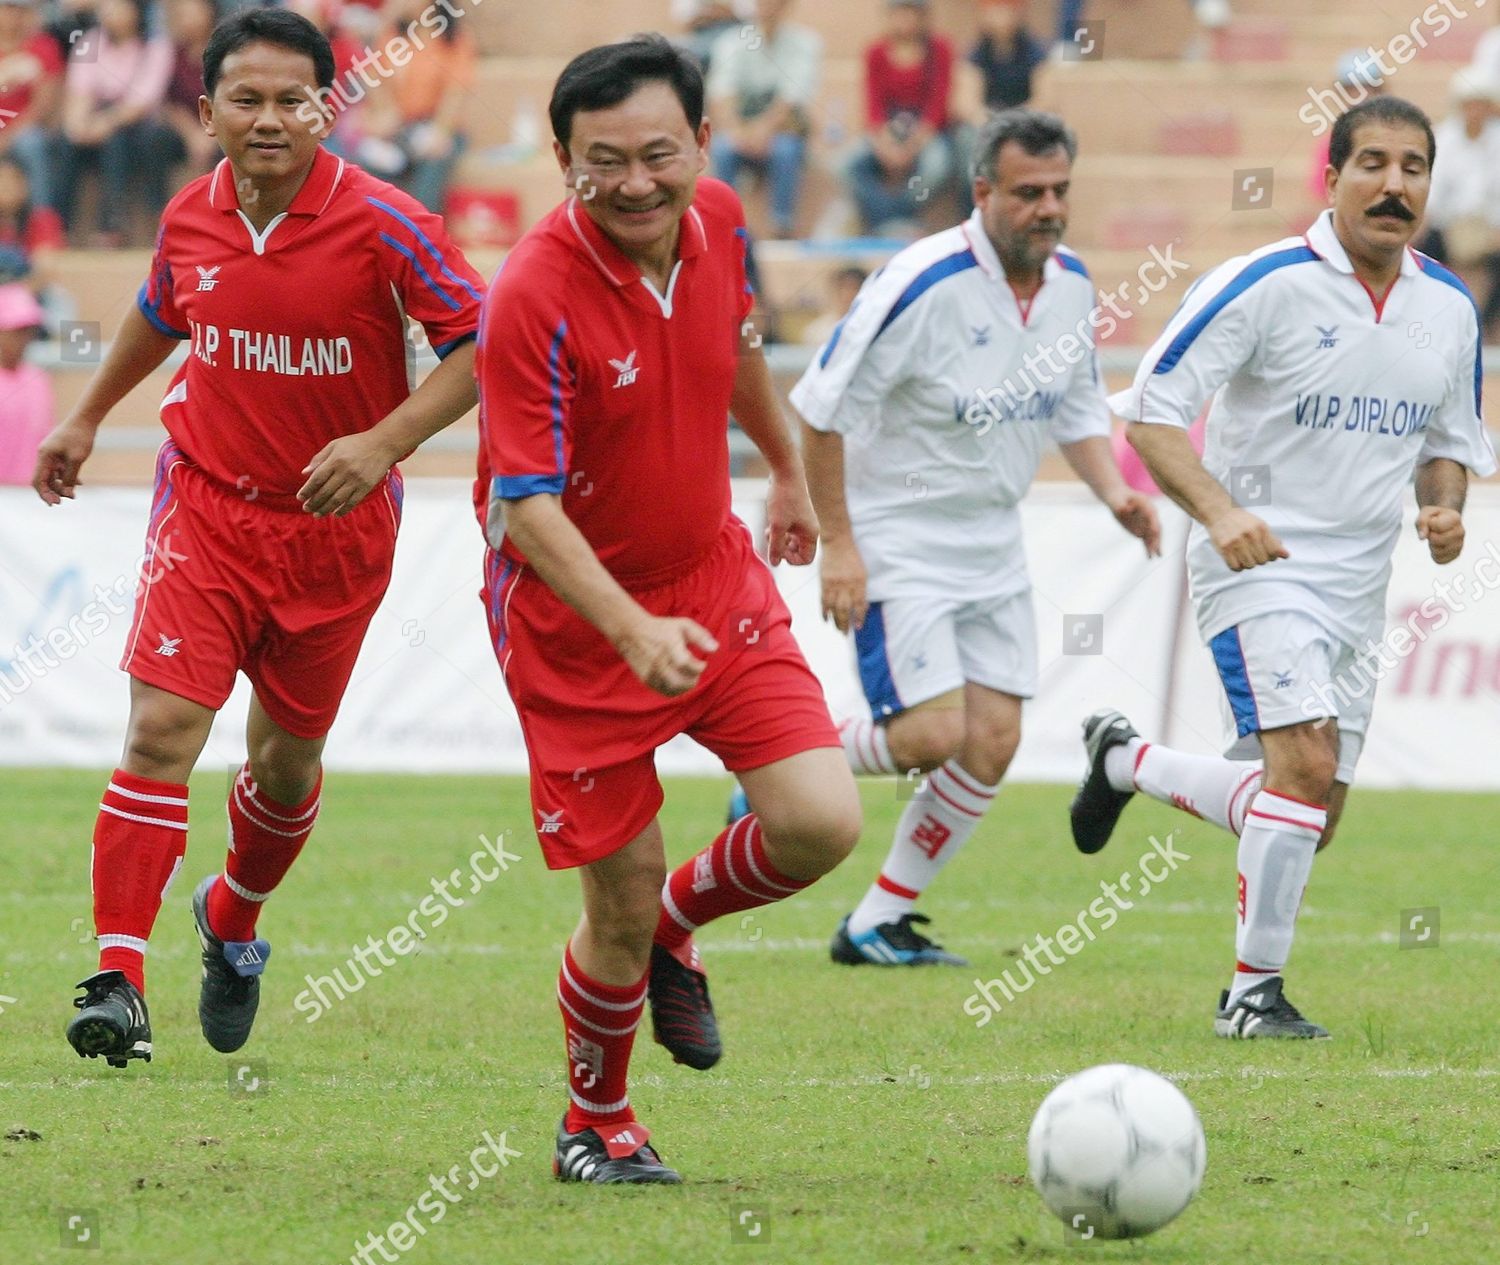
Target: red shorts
column 244, row 582
column 592, row 728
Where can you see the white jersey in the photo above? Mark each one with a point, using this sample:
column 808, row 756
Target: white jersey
column 946, row 389
column 1324, row 403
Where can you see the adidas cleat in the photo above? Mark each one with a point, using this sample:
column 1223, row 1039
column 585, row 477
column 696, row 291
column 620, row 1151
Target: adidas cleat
column 113, row 1022
column 610, row 1155
column 1097, row 805
column 1264, row 1012
column 682, row 1016
column 229, row 994
column 890, row 944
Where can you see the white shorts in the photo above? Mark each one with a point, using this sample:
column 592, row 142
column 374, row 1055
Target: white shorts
column 912, row 649
column 1285, row 668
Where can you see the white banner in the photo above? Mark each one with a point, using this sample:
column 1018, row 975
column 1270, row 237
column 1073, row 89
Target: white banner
column 427, row 696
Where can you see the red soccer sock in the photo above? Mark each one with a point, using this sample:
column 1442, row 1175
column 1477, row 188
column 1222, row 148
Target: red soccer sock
column 139, row 840
column 264, row 839
column 599, row 1023
column 730, row 875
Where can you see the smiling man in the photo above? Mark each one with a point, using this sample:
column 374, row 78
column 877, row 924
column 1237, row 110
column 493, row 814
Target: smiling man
column 277, row 500
column 626, row 603
column 1340, row 365
column 926, row 415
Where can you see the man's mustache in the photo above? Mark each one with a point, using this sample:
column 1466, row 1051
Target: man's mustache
column 1392, row 206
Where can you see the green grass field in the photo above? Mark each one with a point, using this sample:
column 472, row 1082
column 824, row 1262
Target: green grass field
column 858, row 1116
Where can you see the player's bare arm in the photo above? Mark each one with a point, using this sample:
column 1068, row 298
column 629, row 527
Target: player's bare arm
column 662, row 652
column 791, row 522
column 844, row 576
column 1442, row 486
column 138, row 348
column 1241, row 538
column 346, row 470
column 1094, row 463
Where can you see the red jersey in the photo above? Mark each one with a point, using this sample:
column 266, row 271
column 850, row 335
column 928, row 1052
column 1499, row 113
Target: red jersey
column 45, row 62
column 595, row 387
column 299, row 332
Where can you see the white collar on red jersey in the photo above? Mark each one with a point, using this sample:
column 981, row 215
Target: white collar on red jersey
column 312, row 198
column 692, row 239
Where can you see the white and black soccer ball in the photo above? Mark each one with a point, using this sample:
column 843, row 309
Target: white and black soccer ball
column 1116, row 1152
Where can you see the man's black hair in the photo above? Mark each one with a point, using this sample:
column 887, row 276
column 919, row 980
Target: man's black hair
column 267, row 26
column 605, row 76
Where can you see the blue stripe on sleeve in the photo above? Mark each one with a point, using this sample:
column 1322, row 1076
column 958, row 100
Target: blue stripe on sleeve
column 513, row 487
column 554, row 368
column 1071, row 262
column 924, row 281
column 442, row 350
column 1237, row 286
column 426, row 244
column 1437, row 272
column 150, row 314
column 422, row 272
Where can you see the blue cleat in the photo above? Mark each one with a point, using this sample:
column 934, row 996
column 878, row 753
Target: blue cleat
column 890, row 944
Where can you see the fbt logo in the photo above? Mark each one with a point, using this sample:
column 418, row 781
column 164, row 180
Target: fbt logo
column 627, row 370
column 208, row 278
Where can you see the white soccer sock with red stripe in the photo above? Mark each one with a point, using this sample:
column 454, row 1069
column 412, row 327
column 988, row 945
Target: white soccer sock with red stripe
column 1276, row 854
column 933, row 828
column 1207, row 786
column 865, row 746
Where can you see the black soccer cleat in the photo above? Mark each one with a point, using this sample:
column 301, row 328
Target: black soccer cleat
column 682, row 1016
column 1264, row 1012
column 1097, row 805
column 891, row 944
column 113, row 1022
column 610, row 1155
column 229, row 993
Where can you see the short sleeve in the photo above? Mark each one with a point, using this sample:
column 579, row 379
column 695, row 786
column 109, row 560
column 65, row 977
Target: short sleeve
column 1456, row 431
column 525, row 367
column 158, row 296
column 438, row 286
column 869, row 351
column 1209, row 338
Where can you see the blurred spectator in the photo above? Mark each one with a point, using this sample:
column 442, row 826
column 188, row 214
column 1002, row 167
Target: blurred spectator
column 760, row 94
column 414, row 122
column 1211, row 16
column 25, row 389
column 997, row 74
column 704, row 21
column 31, row 74
column 30, row 237
column 69, row 20
column 1463, row 207
column 843, row 286
column 348, row 28
column 907, row 157
column 116, row 83
column 1357, row 79
column 189, row 24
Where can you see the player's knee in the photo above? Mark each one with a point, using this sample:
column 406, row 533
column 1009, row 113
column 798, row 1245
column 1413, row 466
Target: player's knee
column 924, row 739
column 989, row 747
column 162, row 741
column 814, row 840
column 623, row 916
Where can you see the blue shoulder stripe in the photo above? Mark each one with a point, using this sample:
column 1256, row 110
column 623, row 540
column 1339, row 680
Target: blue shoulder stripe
column 1238, row 284
column 426, row 244
column 1437, row 272
column 1071, row 262
column 924, row 281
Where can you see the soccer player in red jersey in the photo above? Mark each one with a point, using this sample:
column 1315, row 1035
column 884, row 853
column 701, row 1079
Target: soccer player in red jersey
column 277, row 500
column 626, row 603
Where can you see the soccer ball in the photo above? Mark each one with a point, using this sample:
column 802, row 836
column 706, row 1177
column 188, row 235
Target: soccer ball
column 1116, row 1152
